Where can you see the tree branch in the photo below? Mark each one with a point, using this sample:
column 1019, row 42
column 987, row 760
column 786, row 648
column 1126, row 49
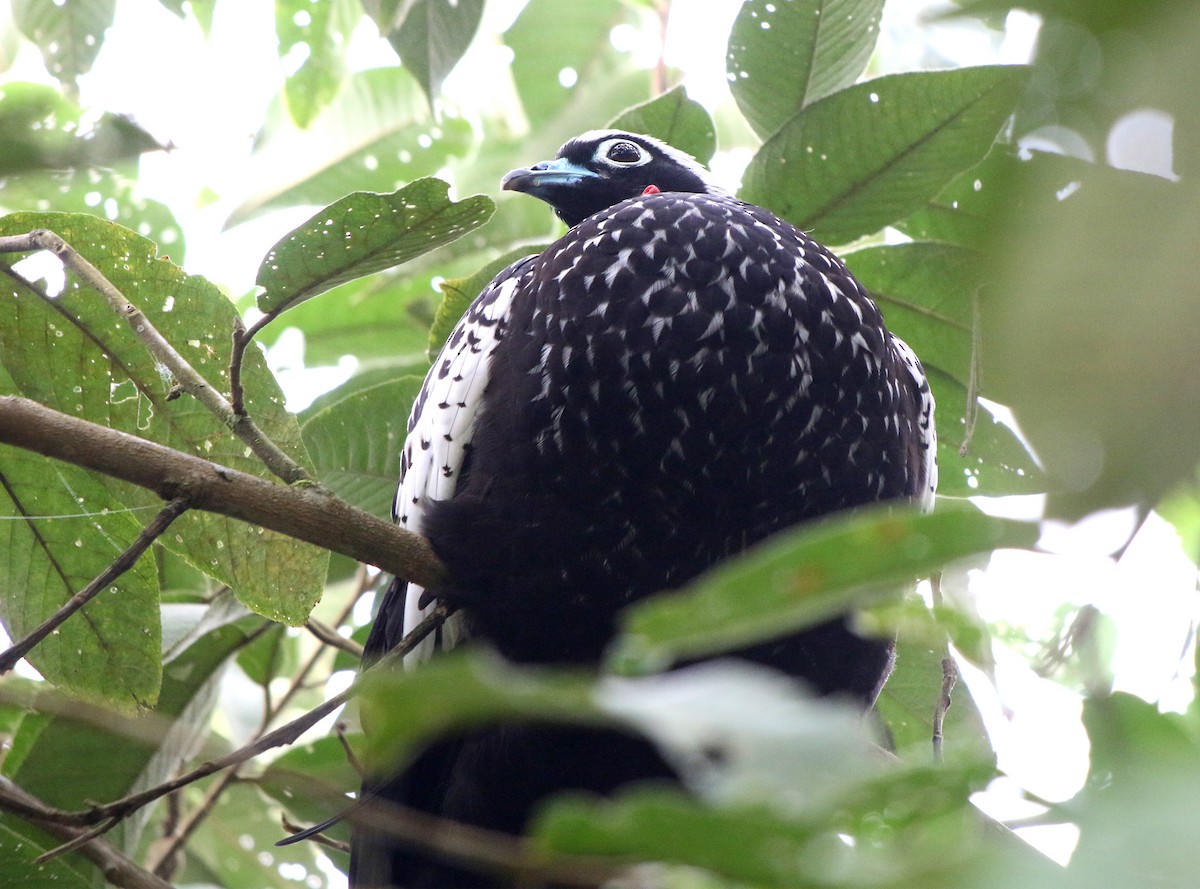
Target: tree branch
column 120, row 565
column 308, row 514
column 188, row 378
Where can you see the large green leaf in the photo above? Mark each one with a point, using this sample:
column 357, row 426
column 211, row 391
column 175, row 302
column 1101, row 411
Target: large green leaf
column 1088, row 330
column 70, row 35
column 676, row 119
column 376, row 135
column 871, row 154
column 71, row 353
column 361, row 234
column 784, row 56
column 355, row 442
column 803, row 576
column 108, row 652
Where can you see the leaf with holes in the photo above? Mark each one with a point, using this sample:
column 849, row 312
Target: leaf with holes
column 784, row 56
column 72, row 354
column 361, row 234
column 70, row 35
column 869, row 155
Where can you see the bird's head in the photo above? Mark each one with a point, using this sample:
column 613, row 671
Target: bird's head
column 603, row 167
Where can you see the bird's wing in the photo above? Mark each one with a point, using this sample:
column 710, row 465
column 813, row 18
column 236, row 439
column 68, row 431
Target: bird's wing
column 440, row 429
column 926, row 485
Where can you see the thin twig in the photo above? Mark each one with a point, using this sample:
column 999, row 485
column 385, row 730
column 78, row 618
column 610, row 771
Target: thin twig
column 332, row 637
column 165, row 853
column 120, row 565
column 242, row 337
column 973, row 378
column 285, row 734
column 187, row 377
column 949, row 680
column 308, row 514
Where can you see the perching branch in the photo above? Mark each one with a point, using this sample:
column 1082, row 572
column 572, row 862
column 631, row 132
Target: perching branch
column 123, row 563
column 307, row 514
column 187, row 377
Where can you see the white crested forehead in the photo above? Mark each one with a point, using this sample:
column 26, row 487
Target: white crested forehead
column 683, row 159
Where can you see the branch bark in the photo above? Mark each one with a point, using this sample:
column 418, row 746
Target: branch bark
column 305, row 513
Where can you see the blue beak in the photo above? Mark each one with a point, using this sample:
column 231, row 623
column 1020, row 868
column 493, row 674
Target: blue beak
column 558, row 173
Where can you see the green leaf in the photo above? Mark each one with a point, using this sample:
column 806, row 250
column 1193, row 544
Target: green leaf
column 69, row 35
column 910, row 697
column 546, row 40
column 355, row 442
column 676, row 120
column 311, row 30
column 431, row 37
column 109, row 652
column 926, row 292
column 459, row 293
column 785, row 56
column 376, row 135
column 463, row 689
column 361, row 234
column 73, row 355
column 41, row 130
column 803, row 576
column 873, row 153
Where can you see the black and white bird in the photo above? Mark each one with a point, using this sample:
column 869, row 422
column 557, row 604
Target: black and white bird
column 676, row 378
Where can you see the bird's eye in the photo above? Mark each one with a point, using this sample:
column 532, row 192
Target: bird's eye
column 624, row 153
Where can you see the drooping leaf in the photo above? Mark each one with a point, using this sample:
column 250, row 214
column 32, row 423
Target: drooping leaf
column 376, row 135
column 430, row 36
column 114, row 381
column 676, row 119
column 361, row 234
column 355, row 442
column 873, row 153
column 41, row 130
column 69, row 35
column 784, row 56
column 803, row 576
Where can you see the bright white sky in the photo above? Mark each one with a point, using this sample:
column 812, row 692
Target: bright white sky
column 212, row 108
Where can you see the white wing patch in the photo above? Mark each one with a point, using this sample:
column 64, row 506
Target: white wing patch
column 925, row 422
column 441, row 427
